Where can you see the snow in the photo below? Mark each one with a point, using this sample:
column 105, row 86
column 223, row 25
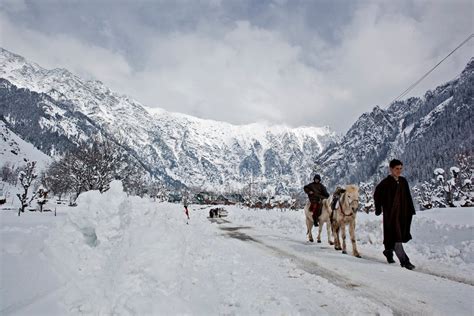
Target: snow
column 436, row 111
column 455, row 217
column 114, row 254
column 454, row 170
column 14, row 150
column 215, row 134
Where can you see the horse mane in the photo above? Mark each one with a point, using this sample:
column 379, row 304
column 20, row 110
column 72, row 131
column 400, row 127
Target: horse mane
column 352, row 188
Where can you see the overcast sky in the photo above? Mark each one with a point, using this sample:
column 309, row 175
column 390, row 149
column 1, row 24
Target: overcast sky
column 292, row 62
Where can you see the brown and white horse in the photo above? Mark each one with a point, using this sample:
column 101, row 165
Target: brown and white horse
column 323, row 218
column 344, row 214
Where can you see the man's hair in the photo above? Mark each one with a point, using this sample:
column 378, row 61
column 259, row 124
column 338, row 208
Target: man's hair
column 395, row 162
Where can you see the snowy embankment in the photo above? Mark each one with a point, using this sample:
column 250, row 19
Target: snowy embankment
column 115, row 254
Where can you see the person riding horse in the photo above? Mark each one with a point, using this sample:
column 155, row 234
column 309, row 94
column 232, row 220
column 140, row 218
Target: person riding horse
column 316, row 192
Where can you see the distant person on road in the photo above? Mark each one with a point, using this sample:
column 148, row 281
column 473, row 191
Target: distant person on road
column 316, row 193
column 186, row 211
column 392, row 198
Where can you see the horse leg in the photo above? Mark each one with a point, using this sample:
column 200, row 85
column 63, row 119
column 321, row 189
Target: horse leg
column 309, row 226
column 335, row 231
column 328, row 227
column 319, row 231
column 343, row 236
column 353, row 240
column 323, row 219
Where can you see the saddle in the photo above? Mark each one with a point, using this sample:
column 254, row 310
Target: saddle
column 335, row 197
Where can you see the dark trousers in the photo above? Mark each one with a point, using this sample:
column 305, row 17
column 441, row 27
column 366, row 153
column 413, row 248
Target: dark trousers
column 399, row 251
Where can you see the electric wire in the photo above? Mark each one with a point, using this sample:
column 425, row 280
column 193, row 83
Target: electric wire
column 404, row 93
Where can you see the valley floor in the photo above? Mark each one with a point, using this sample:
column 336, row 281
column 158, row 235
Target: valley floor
column 119, row 255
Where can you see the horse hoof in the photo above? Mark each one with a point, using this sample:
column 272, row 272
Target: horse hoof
column 311, row 240
column 319, row 241
column 344, row 252
column 331, row 243
column 357, row 256
column 337, row 248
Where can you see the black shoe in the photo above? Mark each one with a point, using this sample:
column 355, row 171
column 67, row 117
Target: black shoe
column 407, row 265
column 389, row 255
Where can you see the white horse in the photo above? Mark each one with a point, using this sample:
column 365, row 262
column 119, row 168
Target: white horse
column 323, row 218
column 344, row 214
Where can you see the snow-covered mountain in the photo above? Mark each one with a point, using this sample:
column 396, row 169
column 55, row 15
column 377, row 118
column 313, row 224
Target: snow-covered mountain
column 13, row 149
column 48, row 124
column 424, row 133
column 178, row 148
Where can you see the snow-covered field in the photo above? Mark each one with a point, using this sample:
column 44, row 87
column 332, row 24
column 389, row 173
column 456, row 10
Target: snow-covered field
column 119, row 255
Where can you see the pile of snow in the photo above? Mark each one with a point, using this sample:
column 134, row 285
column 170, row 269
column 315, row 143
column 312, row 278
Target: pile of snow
column 114, row 254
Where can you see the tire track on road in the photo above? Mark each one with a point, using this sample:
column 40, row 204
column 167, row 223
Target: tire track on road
column 398, row 304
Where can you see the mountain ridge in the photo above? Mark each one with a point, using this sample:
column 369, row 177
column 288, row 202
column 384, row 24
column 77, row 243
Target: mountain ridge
column 425, row 133
column 191, row 151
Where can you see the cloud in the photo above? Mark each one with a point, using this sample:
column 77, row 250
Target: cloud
column 51, row 51
column 247, row 75
column 383, row 51
column 13, row 5
column 237, row 63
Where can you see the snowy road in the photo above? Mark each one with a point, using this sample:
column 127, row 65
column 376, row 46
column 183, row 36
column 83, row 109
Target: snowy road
column 414, row 292
column 118, row 255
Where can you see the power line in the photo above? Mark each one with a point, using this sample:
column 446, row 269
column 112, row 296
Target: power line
column 430, row 71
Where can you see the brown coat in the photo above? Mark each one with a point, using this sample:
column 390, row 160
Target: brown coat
column 394, row 200
column 316, row 192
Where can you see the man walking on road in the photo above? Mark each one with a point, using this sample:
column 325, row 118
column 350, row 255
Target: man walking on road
column 392, row 198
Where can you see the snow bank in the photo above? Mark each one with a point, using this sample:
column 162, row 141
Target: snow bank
column 101, row 246
column 124, row 255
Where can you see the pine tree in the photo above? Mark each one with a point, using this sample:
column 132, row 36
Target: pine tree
column 366, row 190
column 449, row 189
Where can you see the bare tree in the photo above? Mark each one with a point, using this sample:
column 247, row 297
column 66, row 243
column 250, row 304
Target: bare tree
column 9, row 173
column 99, row 164
column 26, row 177
column 158, row 191
column 90, row 167
column 55, row 181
